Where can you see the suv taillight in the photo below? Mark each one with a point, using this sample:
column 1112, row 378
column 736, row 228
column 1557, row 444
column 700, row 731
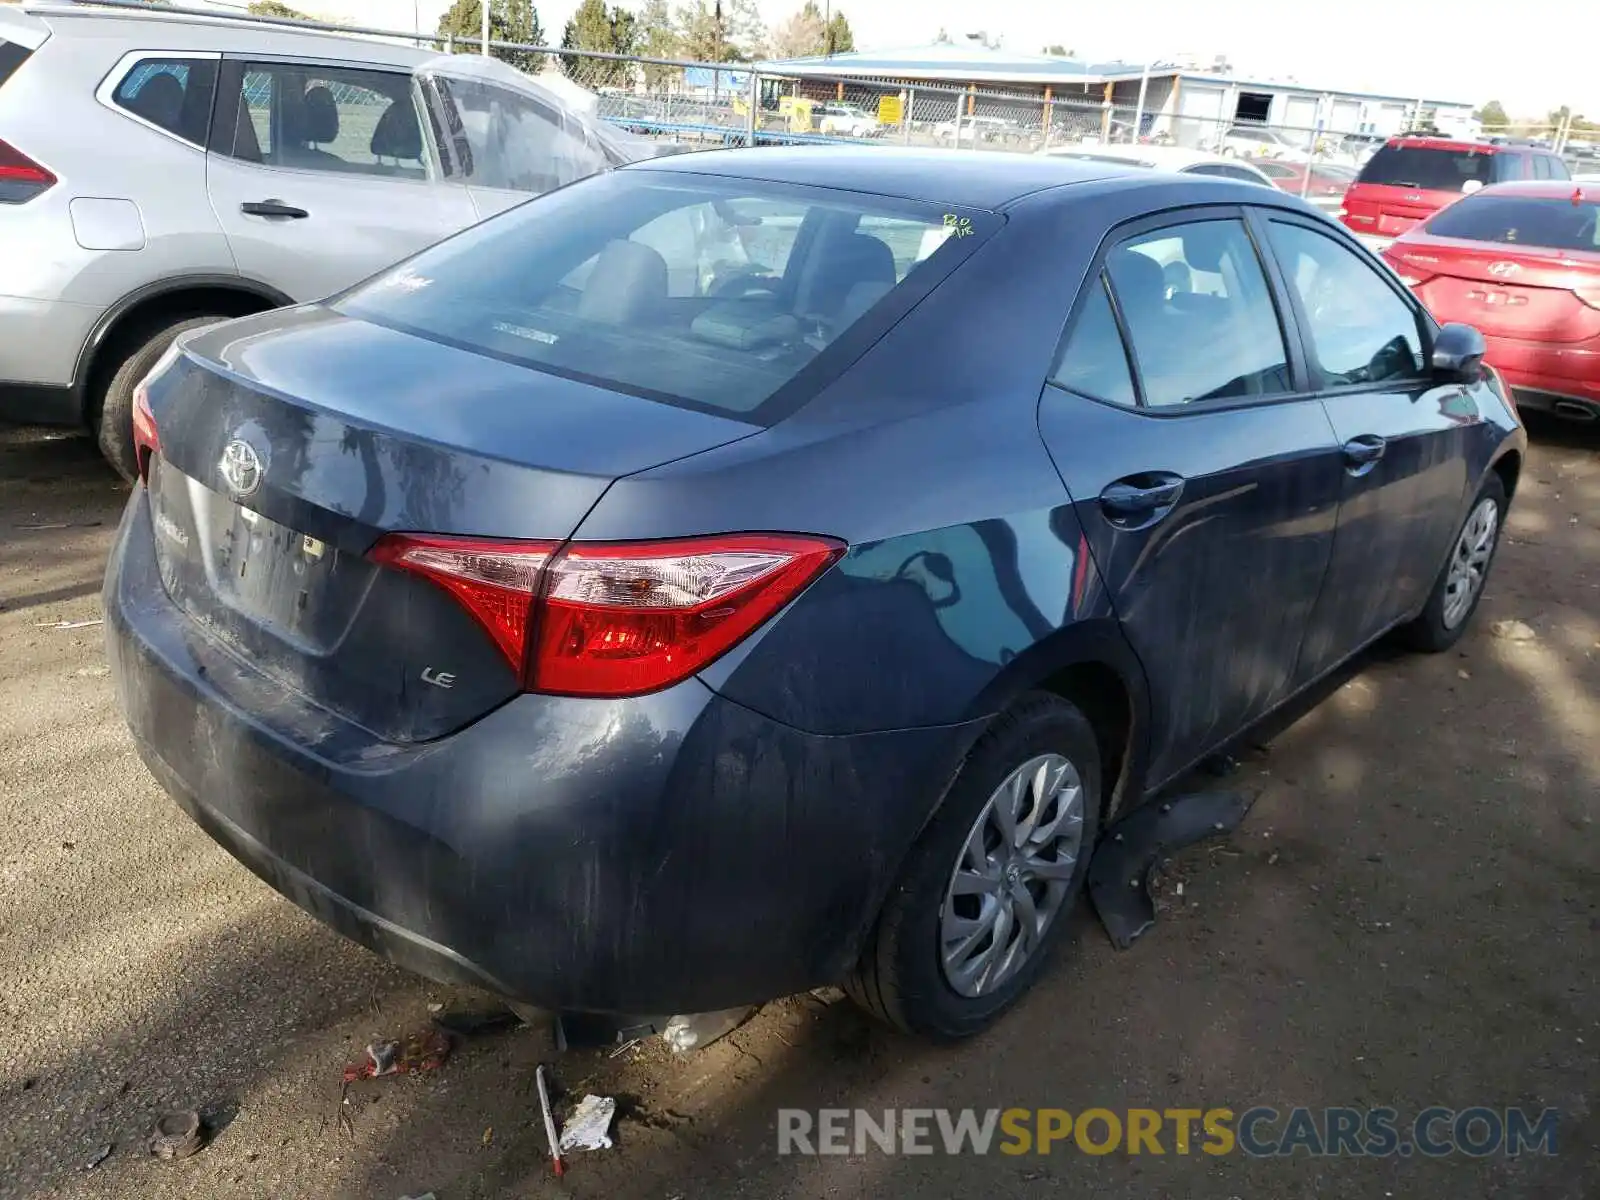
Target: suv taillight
column 21, row 179
column 615, row 619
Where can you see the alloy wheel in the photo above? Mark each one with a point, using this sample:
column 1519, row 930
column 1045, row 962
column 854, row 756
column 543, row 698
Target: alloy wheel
column 1469, row 561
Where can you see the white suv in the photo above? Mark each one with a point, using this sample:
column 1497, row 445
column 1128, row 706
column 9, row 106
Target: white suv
column 160, row 172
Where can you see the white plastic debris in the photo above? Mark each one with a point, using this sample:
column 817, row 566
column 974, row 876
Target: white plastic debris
column 589, row 1126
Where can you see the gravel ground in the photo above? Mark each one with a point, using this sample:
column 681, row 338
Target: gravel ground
column 1408, row 916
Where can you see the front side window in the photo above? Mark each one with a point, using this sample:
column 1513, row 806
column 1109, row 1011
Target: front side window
column 173, row 94
column 707, row 292
column 1199, row 313
column 314, row 118
column 1359, row 328
column 1556, row 224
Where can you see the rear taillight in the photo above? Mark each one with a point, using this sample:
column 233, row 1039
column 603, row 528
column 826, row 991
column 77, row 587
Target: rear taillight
column 21, row 179
column 1590, row 296
column 146, row 441
column 616, row 619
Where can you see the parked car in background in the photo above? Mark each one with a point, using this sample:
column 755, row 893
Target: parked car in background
column 1257, row 141
column 1165, row 158
column 558, row 613
column 1521, row 261
column 1412, row 178
column 845, row 120
column 255, row 165
column 1327, row 184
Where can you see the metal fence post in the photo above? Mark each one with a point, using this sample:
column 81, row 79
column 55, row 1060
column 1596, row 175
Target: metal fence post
column 484, row 5
column 1138, row 110
column 905, row 117
column 755, row 100
column 1305, row 180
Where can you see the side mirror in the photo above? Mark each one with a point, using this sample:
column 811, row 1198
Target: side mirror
column 1458, row 353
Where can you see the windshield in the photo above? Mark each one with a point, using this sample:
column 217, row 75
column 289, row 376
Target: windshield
column 693, row 289
column 1556, row 224
column 1427, row 168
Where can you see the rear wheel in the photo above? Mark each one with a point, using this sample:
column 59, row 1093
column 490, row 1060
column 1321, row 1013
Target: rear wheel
column 114, row 424
column 983, row 896
column 1459, row 587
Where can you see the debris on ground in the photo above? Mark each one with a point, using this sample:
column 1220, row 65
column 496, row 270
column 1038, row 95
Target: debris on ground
column 475, row 1022
column 691, row 1031
column 69, row 624
column 422, row 1196
column 549, row 1122
column 589, row 1126
column 1513, row 631
column 422, row 1050
column 176, row 1135
column 98, row 1157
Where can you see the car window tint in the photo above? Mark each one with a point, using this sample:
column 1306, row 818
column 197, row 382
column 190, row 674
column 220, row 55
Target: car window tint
column 1558, row 224
column 1508, row 168
column 1224, row 171
column 171, row 93
column 328, row 119
column 1360, row 329
column 1557, row 168
column 1094, row 361
column 512, row 141
column 1199, row 313
column 710, row 292
column 1429, row 168
column 1541, row 167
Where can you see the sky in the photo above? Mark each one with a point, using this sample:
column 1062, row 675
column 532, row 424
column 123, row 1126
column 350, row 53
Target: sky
column 1466, row 50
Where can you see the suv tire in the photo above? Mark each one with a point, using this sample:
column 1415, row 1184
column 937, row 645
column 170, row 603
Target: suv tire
column 114, row 425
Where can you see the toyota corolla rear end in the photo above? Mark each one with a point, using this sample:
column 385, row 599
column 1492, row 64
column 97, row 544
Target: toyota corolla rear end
column 360, row 637
column 1522, row 263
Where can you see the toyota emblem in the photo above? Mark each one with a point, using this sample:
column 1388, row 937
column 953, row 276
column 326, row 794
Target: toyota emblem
column 1502, row 269
column 241, row 468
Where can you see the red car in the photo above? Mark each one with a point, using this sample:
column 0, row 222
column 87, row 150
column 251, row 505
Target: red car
column 1328, row 182
column 1411, row 178
column 1521, row 261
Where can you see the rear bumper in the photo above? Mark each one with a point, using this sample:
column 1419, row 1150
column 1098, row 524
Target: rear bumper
column 674, row 852
column 40, row 340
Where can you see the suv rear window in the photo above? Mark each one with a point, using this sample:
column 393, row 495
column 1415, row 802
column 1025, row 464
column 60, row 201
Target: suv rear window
column 696, row 290
column 1428, row 168
column 12, row 56
column 1556, row 224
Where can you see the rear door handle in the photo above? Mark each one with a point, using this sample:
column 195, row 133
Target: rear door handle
column 272, row 208
column 1363, row 451
column 1141, row 496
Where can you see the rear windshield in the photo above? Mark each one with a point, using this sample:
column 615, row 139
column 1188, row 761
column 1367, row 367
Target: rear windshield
column 12, row 56
column 1428, row 169
column 707, row 292
column 1521, row 221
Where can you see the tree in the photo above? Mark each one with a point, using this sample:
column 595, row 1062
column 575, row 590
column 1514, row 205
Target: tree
column 509, row 21
column 747, row 32
column 655, row 37
column 276, row 8
column 841, row 39
column 703, row 32
column 596, row 27
column 1493, row 114
column 803, row 35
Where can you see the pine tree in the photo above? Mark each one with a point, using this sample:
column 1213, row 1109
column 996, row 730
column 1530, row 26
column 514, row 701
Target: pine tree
column 596, row 27
column 509, row 21
column 655, row 37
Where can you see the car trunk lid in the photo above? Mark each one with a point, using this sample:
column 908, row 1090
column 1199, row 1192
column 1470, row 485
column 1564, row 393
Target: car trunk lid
column 266, row 499
column 1519, row 292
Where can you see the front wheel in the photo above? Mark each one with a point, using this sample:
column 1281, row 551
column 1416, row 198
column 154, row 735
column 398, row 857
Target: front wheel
column 983, row 896
column 1459, row 587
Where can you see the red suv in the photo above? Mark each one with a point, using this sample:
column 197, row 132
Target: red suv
column 1411, row 178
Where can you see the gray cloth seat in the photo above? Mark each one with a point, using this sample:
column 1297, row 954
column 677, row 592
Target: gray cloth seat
column 628, row 284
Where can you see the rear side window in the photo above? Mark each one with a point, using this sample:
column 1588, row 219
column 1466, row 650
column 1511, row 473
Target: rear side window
column 313, row 118
column 1359, row 328
column 1199, row 313
column 173, row 94
column 1557, row 168
column 706, row 292
column 1554, row 223
column 500, row 138
column 1094, row 362
column 12, row 56
column 1427, row 168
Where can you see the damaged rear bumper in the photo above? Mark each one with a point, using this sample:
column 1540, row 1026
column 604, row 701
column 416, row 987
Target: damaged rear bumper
column 668, row 853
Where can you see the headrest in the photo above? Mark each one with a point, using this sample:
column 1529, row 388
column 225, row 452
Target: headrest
column 397, row 134
column 1137, row 278
column 159, row 100
column 629, row 281
column 321, row 116
column 1204, row 245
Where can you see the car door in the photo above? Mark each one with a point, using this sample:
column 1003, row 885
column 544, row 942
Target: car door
column 1206, row 482
column 1404, row 437
column 319, row 174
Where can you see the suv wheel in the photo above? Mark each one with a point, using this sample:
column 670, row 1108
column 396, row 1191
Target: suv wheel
column 984, row 894
column 114, row 426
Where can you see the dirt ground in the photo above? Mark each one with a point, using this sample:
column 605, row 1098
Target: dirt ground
column 1409, row 916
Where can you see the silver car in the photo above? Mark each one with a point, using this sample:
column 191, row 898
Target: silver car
column 159, row 172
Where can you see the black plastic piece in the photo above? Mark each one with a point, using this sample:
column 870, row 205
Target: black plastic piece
column 1119, row 874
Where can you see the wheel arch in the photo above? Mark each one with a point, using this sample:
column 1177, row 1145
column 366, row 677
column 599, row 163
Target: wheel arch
column 1509, row 467
column 167, row 299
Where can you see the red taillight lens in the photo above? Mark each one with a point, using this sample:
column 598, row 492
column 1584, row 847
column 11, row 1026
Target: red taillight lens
column 617, row 619
column 146, row 440
column 1590, row 296
column 20, row 177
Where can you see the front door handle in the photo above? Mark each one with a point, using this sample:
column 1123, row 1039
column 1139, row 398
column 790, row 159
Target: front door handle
column 272, row 208
column 1139, row 497
column 1363, row 451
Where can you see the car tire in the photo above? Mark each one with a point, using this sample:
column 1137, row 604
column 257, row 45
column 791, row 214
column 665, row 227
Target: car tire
column 904, row 975
column 114, row 419
column 1447, row 614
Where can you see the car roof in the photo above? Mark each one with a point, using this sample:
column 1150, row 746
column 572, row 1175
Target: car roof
column 1448, row 143
column 1171, row 157
column 156, row 30
column 963, row 178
